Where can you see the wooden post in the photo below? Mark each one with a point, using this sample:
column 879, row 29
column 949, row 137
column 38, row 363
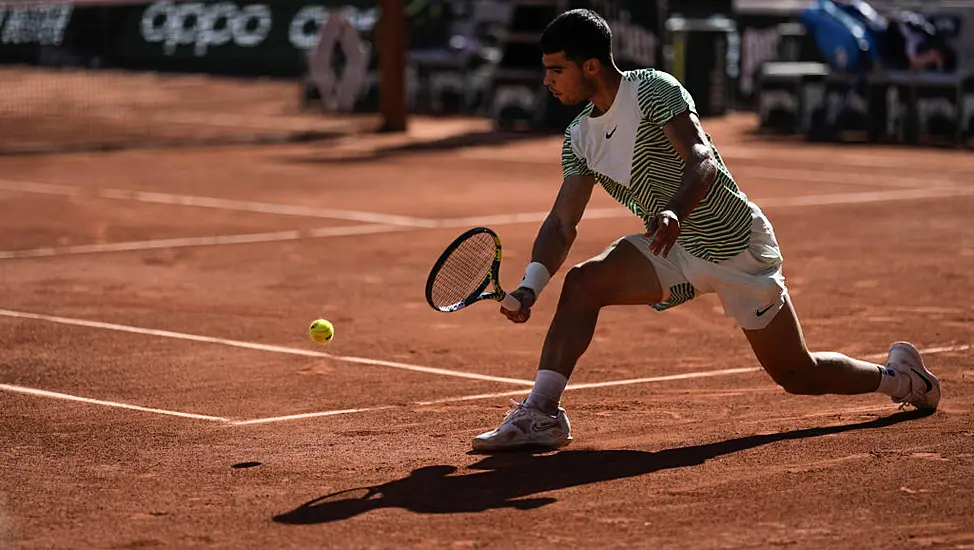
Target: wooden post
column 391, row 40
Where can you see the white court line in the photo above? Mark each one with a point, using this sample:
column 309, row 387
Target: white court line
column 259, row 347
column 268, row 420
column 667, row 378
column 769, row 202
column 864, row 197
column 266, row 208
column 306, row 415
column 218, row 203
column 653, row 379
column 40, row 188
column 66, row 397
column 526, row 217
column 844, row 178
column 928, row 351
column 180, row 242
column 495, row 220
column 730, row 154
column 889, row 159
column 188, row 242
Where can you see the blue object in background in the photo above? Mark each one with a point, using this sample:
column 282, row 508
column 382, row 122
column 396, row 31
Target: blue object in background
column 846, row 42
column 864, row 13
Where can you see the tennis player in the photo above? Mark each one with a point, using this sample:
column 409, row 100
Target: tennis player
column 640, row 139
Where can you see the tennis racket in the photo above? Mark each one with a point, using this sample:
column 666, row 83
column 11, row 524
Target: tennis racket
column 468, row 272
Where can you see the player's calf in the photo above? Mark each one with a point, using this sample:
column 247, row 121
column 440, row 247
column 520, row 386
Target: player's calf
column 822, row 373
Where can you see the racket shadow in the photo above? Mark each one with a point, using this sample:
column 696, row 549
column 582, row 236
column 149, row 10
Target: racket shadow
column 510, row 480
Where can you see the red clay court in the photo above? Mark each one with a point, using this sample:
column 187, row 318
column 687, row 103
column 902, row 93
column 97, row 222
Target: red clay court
column 159, row 388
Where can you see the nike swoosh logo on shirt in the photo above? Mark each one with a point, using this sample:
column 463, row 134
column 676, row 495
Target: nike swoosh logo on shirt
column 608, row 135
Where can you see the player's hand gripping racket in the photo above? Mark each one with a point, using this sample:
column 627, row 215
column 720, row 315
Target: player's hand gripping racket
column 462, row 274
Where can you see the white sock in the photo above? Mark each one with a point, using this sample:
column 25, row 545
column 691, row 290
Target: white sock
column 893, row 384
column 547, row 391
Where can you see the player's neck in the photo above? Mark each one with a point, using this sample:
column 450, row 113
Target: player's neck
column 606, row 91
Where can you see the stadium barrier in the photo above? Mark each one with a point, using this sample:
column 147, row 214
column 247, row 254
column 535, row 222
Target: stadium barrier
column 878, row 106
column 746, row 53
column 896, row 107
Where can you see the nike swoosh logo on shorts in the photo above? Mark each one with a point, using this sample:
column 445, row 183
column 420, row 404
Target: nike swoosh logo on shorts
column 761, row 312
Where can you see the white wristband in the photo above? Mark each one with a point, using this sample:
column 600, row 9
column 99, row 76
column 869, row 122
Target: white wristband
column 536, row 276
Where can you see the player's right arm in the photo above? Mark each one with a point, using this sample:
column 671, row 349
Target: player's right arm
column 554, row 240
column 557, row 233
column 558, row 230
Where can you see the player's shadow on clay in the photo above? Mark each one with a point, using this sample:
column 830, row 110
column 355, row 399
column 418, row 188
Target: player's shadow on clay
column 505, row 480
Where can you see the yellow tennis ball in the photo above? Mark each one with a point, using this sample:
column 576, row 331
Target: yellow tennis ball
column 321, row 331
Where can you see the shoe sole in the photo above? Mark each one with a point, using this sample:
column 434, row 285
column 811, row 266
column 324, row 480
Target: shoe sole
column 934, row 381
column 526, row 446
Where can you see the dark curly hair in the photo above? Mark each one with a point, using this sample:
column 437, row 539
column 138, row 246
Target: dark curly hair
column 582, row 34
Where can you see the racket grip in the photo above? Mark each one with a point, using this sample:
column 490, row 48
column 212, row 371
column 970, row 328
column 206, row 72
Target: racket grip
column 510, row 303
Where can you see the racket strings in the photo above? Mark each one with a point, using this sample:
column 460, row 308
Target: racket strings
column 464, row 271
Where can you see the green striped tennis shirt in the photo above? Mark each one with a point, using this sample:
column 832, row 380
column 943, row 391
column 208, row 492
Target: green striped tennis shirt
column 627, row 152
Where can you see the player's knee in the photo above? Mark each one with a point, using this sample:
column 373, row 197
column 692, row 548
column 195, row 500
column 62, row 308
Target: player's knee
column 582, row 286
column 796, row 381
column 795, row 374
column 792, row 382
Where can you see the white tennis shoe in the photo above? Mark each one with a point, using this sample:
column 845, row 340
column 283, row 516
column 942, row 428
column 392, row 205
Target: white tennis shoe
column 526, row 427
column 905, row 360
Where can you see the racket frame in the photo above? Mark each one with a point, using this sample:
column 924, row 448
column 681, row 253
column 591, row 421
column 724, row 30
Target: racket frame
column 480, row 294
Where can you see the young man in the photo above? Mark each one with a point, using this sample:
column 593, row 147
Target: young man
column 640, row 139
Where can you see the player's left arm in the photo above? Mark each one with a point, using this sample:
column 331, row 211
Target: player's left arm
column 688, row 138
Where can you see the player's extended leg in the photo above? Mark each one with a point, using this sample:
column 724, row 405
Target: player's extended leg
column 621, row 275
column 780, row 348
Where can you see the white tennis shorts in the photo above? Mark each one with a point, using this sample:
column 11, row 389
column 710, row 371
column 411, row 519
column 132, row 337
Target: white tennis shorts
column 750, row 286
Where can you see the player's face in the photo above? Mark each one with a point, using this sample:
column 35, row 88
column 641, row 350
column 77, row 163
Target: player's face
column 570, row 82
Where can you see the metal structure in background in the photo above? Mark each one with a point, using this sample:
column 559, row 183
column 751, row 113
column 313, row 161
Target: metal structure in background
column 703, row 55
column 391, row 39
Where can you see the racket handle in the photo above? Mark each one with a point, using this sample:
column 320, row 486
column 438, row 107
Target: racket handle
column 510, row 303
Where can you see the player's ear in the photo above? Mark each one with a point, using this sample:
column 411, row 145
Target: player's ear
column 592, row 67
